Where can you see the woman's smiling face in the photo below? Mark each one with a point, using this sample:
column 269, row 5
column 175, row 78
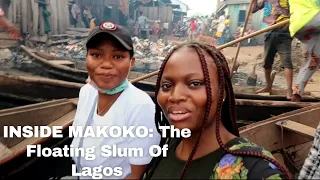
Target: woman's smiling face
column 108, row 63
column 182, row 95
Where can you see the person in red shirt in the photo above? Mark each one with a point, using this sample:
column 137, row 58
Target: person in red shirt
column 193, row 28
column 13, row 32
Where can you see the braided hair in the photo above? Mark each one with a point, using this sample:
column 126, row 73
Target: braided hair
column 225, row 110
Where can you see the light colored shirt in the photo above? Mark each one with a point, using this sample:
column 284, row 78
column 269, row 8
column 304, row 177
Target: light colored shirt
column 142, row 20
column 132, row 108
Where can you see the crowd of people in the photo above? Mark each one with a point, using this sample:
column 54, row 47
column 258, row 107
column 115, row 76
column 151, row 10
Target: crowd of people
column 194, row 91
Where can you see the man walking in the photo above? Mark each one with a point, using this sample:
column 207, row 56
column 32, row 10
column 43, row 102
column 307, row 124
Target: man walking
column 276, row 41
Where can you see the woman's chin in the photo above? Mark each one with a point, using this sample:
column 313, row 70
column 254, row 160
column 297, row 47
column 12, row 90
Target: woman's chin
column 108, row 86
column 182, row 125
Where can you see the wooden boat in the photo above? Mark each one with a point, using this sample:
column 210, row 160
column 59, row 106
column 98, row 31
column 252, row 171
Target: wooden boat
column 249, row 111
column 288, row 136
column 249, row 92
column 18, row 89
column 63, row 69
column 14, row 163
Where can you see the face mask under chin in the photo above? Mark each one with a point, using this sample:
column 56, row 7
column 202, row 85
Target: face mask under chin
column 123, row 86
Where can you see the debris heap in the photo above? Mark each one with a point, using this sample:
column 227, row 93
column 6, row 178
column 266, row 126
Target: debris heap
column 149, row 55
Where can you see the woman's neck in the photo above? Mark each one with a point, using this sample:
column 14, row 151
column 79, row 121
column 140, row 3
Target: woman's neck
column 208, row 142
column 105, row 102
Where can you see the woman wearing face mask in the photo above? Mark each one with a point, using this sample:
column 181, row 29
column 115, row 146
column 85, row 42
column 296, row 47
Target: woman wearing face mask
column 194, row 91
column 109, row 99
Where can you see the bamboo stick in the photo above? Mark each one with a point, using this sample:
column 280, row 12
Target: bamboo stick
column 35, row 17
column 225, row 45
column 242, row 34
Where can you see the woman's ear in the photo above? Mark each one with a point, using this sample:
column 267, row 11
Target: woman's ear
column 133, row 61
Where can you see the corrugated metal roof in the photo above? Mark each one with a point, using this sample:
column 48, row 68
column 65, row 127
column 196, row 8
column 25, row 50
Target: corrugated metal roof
column 237, row 1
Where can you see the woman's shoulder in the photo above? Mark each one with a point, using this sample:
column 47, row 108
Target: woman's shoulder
column 87, row 92
column 138, row 97
column 246, row 166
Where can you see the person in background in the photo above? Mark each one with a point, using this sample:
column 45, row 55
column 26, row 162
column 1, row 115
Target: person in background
column 276, row 41
column 131, row 24
column 305, row 26
column 93, row 23
column 142, row 21
column 76, row 14
column 87, row 13
column 227, row 32
column 193, row 28
column 109, row 99
column 221, row 27
column 194, row 91
column 9, row 27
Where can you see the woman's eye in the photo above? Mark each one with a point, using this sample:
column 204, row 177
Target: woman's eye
column 95, row 55
column 196, row 84
column 165, row 86
column 117, row 57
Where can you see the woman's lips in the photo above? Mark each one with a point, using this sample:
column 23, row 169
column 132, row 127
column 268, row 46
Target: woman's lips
column 178, row 116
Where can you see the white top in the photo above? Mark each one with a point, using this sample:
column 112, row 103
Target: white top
column 132, row 108
column 142, row 21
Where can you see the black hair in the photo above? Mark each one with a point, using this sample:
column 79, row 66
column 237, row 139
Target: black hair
column 98, row 39
column 225, row 110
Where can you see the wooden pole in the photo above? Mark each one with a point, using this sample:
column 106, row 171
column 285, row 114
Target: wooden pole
column 225, row 45
column 242, row 34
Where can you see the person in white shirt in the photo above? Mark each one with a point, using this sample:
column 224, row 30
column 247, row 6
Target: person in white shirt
column 109, row 99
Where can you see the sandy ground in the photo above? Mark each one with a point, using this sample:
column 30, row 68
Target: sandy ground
column 249, row 56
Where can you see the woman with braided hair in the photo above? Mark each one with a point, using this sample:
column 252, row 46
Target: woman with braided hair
column 194, row 91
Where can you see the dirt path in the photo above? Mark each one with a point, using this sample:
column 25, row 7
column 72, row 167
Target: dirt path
column 249, row 56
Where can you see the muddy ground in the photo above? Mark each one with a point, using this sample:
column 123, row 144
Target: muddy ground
column 249, row 56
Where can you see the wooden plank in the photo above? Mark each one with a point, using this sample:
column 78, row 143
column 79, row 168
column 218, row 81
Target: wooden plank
column 298, row 128
column 299, row 153
column 62, row 62
column 24, row 16
column 41, row 22
column 267, row 134
column 4, row 150
column 35, row 17
column 80, row 29
column 32, row 106
column 264, row 94
column 63, row 41
column 250, row 102
column 42, row 39
column 315, row 94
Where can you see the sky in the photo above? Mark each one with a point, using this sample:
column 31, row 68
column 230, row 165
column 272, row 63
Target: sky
column 204, row 7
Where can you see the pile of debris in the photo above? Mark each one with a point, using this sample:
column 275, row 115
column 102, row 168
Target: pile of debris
column 149, row 55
